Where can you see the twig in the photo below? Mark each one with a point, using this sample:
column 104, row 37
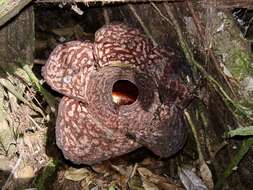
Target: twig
column 106, row 15
column 161, row 14
column 39, row 62
column 76, row 9
column 34, row 122
column 12, row 101
column 193, row 129
column 13, row 171
column 131, row 174
column 133, row 171
column 142, row 24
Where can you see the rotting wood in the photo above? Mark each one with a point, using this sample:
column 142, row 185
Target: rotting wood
column 223, row 4
column 17, row 40
column 104, row 1
column 10, row 8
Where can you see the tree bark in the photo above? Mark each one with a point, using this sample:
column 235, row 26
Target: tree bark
column 17, row 40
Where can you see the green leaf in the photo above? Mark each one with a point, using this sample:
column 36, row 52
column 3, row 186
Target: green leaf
column 76, row 174
column 243, row 131
column 112, row 188
column 233, row 165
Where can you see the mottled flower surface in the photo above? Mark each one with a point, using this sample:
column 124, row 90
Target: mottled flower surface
column 120, row 93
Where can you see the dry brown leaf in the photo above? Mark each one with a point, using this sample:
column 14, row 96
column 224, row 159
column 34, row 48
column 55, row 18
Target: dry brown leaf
column 206, row 175
column 26, row 172
column 123, row 170
column 74, row 174
column 147, row 174
column 135, row 183
column 147, row 161
column 101, row 168
column 190, row 180
column 5, row 164
column 7, row 138
column 88, row 181
column 160, row 181
column 149, row 186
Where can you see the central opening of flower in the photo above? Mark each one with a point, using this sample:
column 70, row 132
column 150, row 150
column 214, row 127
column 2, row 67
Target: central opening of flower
column 124, row 92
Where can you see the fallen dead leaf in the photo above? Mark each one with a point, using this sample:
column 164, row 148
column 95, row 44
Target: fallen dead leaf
column 123, row 170
column 101, row 168
column 7, row 138
column 74, row 174
column 157, row 181
column 190, row 180
column 88, row 181
column 5, row 164
column 26, row 172
column 206, row 175
column 149, row 186
column 135, row 183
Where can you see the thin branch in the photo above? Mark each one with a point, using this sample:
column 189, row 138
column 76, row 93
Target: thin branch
column 142, row 24
column 106, row 15
column 195, row 135
column 39, row 62
column 13, row 171
column 160, row 13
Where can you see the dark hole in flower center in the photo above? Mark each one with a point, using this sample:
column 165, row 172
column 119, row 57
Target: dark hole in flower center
column 124, row 92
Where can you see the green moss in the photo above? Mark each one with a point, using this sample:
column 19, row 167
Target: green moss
column 241, row 65
column 48, row 175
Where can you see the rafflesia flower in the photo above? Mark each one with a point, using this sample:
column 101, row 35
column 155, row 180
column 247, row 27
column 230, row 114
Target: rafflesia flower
column 120, row 93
